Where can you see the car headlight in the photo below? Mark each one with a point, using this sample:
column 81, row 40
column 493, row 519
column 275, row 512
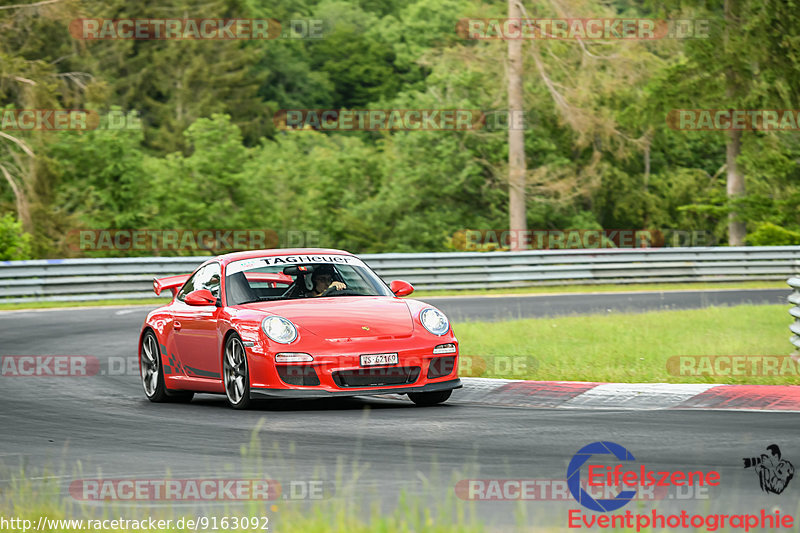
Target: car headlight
column 279, row 329
column 434, row 321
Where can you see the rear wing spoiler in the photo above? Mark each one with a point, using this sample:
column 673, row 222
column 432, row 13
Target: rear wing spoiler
column 272, row 278
column 172, row 283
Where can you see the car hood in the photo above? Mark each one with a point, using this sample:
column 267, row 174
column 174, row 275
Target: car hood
column 343, row 317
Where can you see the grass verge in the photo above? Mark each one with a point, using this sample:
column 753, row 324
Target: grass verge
column 153, row 302
column 611, row 287
column 629, row 348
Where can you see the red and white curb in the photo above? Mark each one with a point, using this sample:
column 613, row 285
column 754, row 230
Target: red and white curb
column 632, row 396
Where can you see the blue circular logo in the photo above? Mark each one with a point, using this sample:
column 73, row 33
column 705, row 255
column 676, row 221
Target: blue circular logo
column 574, row 476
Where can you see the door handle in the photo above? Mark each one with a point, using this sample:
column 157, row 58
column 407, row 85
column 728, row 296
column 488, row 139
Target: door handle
column 176, row 325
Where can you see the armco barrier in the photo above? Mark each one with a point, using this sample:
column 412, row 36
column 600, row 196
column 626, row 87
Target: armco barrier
column 794, row 298
column 102, row 279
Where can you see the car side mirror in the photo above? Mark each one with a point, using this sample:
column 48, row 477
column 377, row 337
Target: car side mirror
column 401, row 288
column 200, row 297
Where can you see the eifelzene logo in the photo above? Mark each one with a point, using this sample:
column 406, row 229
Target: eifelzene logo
column 774, row 472
column 606, row 476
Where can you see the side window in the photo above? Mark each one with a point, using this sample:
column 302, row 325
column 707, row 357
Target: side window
column 187, row 288
column 207, row 277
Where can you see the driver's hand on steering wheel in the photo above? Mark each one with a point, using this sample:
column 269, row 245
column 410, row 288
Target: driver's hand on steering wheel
column 323, row 284
column 336, row 286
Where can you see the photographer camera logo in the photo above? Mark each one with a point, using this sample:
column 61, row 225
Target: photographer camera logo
column 774, row 473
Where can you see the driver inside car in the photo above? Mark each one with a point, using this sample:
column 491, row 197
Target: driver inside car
column 322, row 281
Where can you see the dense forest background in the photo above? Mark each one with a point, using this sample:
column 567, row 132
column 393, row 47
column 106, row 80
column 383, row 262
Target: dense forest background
column 207, row 154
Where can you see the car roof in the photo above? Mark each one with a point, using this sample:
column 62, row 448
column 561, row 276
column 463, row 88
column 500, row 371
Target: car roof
column 253, row 254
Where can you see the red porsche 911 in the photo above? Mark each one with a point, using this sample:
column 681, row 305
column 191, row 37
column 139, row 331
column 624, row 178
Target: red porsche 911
column 294, row 323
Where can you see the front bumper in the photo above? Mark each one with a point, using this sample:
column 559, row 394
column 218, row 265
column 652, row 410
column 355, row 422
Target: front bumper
column 336, row 369
column 260, row 392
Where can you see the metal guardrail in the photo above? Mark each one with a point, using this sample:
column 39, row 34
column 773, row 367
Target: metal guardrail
column 794, row 298
column 104, row 279
column 73, row 280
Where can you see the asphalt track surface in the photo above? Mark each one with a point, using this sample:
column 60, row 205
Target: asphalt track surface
column 377, row 448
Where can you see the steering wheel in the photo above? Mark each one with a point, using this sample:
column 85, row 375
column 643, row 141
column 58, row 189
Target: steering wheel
column 346, row 290
column 330, row 290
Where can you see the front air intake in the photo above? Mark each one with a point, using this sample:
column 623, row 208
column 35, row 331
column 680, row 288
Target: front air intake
column 376, row 377
column 303, row 375
column 441, row 366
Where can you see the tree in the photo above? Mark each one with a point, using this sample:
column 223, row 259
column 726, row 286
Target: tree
column 748, row 61
column 37, row 71
column 172, row 83
column 516, row 137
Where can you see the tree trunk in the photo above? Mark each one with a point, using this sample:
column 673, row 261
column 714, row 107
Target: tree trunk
column 736, row 228
column 516, row 137
column 735, row 183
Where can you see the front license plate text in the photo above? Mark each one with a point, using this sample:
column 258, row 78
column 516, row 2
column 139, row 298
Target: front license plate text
column 375, row 359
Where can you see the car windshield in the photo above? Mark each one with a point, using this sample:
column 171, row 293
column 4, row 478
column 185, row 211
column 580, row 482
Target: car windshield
column 300, row 276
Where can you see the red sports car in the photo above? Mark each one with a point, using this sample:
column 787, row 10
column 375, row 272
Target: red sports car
column 294, row 323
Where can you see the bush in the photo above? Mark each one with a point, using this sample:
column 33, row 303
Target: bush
column 769, row 234
column 15, row 244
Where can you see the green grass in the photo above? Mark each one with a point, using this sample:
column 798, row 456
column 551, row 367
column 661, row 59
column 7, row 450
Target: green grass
column 611, row 287
column 152, row 302
column 628, row 348
column 554, row 289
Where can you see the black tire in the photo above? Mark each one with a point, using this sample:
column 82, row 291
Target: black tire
column 429, row 398
column 179, row 396
column 151, row 372
column 236, row 373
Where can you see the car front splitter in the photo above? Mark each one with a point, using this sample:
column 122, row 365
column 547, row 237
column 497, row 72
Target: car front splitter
column 311, row 393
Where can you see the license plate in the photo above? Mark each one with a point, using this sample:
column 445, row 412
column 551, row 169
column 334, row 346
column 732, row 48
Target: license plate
column 375, row 359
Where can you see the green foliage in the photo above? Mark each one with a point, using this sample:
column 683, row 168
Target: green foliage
column 203, row 190
column 172, row 83
column 769, row 234
column 361, row 69
column 15, row 244
column 102, row 179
